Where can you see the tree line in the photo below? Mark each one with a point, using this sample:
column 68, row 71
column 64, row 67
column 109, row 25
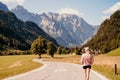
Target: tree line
column 41, row 46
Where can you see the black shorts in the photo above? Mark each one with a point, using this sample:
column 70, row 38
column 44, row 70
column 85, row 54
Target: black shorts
column 87, row 66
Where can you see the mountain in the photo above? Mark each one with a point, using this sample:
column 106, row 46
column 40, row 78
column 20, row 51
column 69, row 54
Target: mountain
column 68, row 30
column 3, row 7
column 24, row 15
column 108, row 36
column 19, row 34
column 36, row 31
column 9, row 38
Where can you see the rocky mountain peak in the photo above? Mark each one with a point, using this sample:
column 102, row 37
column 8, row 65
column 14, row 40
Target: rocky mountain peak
column 3, row 7
column 67, row 29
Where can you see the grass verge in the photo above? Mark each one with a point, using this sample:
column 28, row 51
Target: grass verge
column 115, row 52
column 13, row 65
column 107, row 71
column 105, row 64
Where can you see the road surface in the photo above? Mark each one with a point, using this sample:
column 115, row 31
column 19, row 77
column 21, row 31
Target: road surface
column 57, row 71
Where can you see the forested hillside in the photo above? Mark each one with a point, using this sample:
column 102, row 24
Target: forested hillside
column 108, row 35
column 17, row 34
column 9, row 39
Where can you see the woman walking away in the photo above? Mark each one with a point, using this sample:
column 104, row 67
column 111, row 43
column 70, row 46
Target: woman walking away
column 87, row 60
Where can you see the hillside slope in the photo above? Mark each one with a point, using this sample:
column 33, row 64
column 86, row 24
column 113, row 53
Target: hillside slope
column 115, row 52
column 23, row 32
column 9, row 39
column 108, row 35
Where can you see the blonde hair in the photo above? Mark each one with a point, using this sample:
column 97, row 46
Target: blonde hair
column 90, row 53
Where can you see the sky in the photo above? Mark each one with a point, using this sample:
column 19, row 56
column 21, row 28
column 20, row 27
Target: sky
column 92, row 11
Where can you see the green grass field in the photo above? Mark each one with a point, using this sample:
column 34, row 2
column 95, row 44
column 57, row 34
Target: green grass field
column 12, row 65
column 114, row 52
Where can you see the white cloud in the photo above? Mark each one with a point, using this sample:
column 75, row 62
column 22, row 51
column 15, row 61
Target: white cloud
column 112, row 9
column 105, row 17
column 70, row 11
column 19, row 2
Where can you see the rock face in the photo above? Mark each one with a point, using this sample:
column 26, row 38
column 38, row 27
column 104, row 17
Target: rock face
column 68, row 29
column 3, row 7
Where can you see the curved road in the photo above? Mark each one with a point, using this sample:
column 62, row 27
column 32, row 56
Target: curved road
column 57, row 71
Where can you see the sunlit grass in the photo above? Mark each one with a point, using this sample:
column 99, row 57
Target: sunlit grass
column 107, row 71
column 69, row 58
column 26, row 65
column 105, row 64
column 115, row 52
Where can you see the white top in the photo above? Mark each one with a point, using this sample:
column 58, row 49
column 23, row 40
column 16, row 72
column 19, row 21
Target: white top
column 87, row 59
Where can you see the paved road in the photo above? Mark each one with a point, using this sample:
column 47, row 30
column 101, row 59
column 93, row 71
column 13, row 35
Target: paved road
column 57, row 71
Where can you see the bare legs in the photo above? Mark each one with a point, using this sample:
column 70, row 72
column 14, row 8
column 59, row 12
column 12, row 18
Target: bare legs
column 87, row 74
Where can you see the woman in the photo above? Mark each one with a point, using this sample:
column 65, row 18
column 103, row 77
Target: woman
column 87, row 60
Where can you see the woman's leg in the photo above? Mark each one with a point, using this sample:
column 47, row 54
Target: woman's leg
column 85, row 74
column 88, row 73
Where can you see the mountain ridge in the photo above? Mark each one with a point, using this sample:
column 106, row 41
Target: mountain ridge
column 66, row 29
column 21, row 34
column 3, row 7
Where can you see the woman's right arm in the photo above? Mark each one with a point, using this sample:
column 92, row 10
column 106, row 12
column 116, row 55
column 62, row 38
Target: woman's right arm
column 92, row 59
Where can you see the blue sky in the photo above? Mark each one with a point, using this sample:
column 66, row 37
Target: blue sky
column 92, row 11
